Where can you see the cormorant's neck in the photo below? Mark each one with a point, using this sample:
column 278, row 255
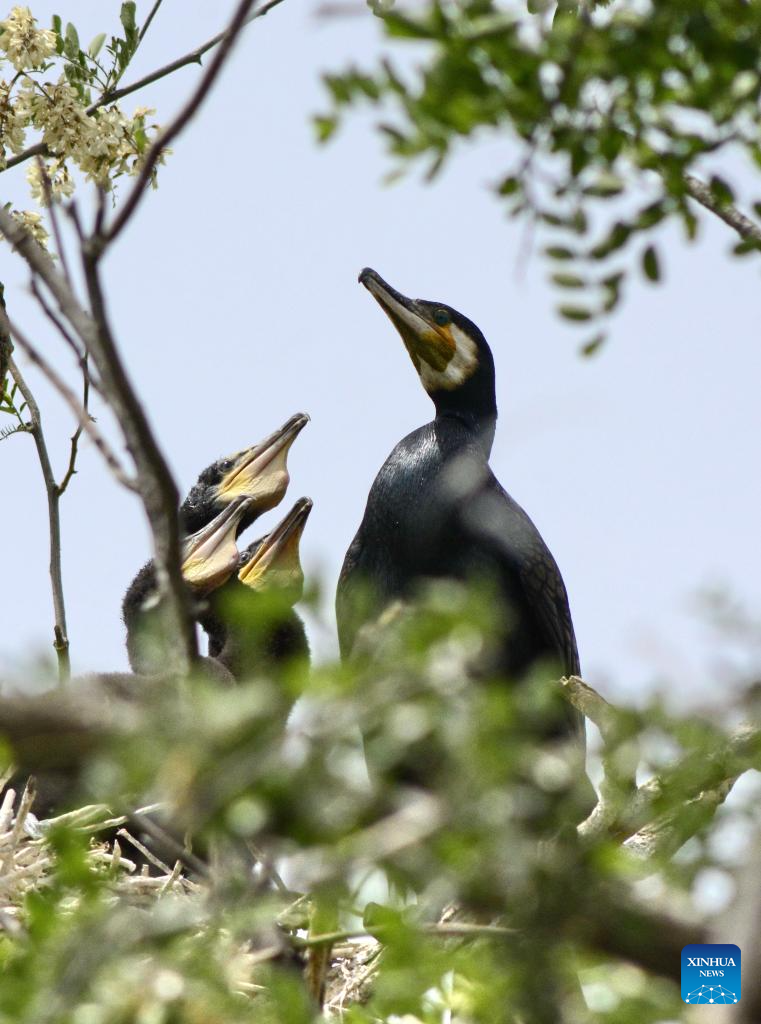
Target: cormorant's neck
column 474, row 405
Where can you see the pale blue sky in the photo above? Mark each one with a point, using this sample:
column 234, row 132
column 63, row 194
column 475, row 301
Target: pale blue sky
column 234, row 297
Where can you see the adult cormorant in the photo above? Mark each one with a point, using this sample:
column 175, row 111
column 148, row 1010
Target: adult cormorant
column 251, row 622
column 436, row 509
column 259, row 472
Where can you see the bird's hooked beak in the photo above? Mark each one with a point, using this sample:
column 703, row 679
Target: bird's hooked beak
column 210, row 555
column 276, row 564
column 425, row 340
column 261, row 472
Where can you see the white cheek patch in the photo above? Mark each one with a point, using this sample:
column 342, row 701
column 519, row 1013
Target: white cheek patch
column 460, row 367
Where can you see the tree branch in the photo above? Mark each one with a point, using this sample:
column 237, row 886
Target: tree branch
column 727, row 212
column 173, row 129
column 193, row 57
column 84, row 420
column 60, row 633
column 659, row 816
column 157, row 490
column 113, row 96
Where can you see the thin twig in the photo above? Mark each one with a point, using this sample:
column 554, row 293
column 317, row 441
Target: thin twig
column 193, row 57
column 57, row 322
column 60, row 634
column 83, row 418
column 147, row 22
column 182, row 855
column 50, row 201
column 461, row 930
column 173, row 129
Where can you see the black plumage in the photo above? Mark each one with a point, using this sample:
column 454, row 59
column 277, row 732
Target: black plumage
column 251, row 622
column 436, row 510
column 210, row 556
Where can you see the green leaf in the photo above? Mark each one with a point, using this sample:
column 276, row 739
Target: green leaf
column 378, row 920
column 57, row 24
column 592, row 346
column 325, row 127
column 579, row 314
column 509, row 185
column 605, row 187
column 721, row 190
column 568, row 281
column 96, row 45
column 745, row 246
column 618, row 236
column 651, row 264
column 559, row 252
column 71, row 42
column 127, row 17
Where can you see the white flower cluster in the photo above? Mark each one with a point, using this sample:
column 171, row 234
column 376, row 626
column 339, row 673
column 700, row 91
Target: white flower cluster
column 103, row 143
column 25, row 46
column 50, row 180
column 33, row 224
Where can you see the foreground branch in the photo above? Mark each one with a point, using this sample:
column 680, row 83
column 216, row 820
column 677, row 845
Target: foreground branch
column 157, row 490
column 659, row 816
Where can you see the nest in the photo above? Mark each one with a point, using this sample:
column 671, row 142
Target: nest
column 138, row 877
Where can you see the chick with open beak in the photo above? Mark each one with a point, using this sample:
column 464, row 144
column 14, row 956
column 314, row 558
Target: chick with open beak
column 259, row 472
column 252, row 625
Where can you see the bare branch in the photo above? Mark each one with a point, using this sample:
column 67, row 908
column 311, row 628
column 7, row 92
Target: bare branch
column 659, row 816
column 50, row 202
column 147, row 24
column 60, row 634
column 663, row 837
column 594, row 707
column 84, row 417
column 727, row 212
column 174, row 128
column 157, row 490
column 84, row 420
column 193, row 57
column 56, row 320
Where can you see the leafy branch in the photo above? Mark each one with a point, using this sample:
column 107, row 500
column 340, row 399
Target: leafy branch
column 604, row 104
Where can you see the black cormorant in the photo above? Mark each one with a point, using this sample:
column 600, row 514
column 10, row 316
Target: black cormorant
column 436, row 509
column 210, row 556
column 251, row 622
column 259, row 472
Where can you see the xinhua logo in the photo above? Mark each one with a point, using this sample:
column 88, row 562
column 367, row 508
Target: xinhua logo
column 711, row 973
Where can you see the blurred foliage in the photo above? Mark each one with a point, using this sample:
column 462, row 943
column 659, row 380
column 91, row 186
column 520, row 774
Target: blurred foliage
column 608, row 107
column 453, row 882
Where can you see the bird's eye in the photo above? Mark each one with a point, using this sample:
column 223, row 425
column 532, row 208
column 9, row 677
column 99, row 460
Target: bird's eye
column 441, row 317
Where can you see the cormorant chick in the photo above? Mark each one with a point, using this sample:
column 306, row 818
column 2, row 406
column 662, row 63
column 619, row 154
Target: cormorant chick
column 251, row 623
column 259, row 472
column 436, row 510
column 210, row 556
